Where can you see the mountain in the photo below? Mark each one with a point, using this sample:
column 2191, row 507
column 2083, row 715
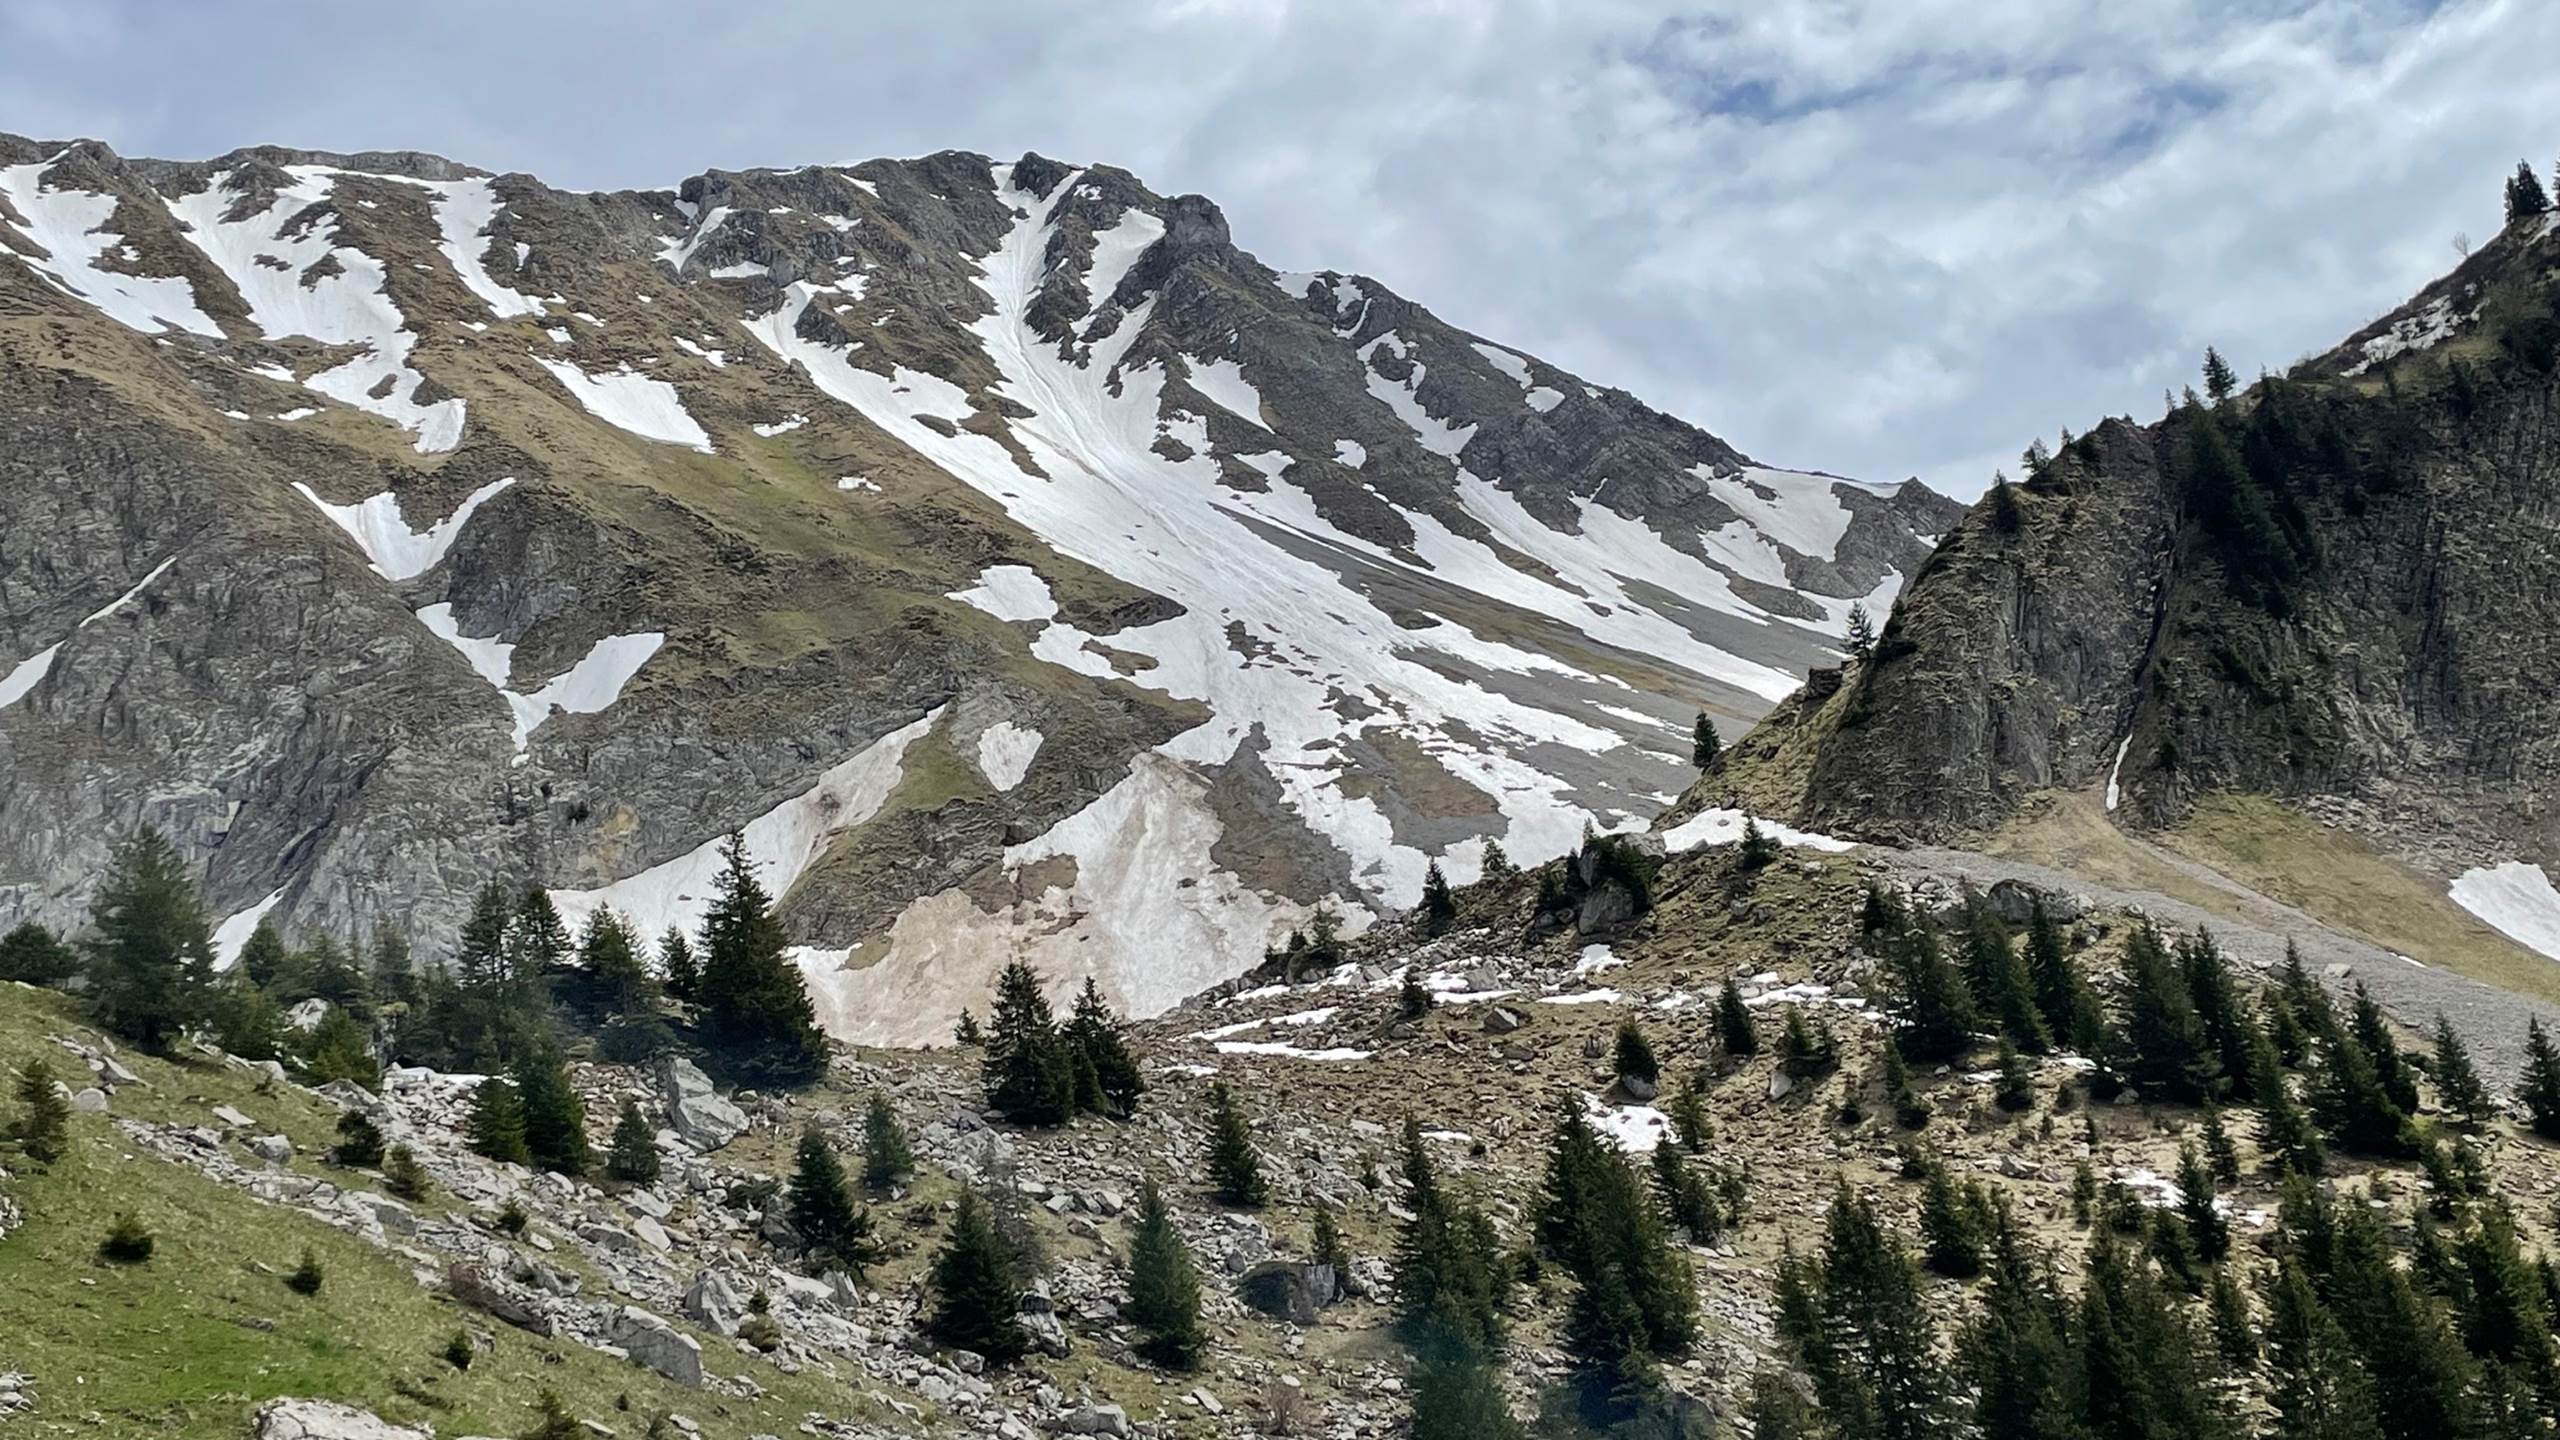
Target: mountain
column 2330, row 590
column 1023, row 566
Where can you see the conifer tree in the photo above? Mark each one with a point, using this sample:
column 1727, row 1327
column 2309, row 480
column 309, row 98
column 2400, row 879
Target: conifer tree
column 756, row 1010
column 1858, row 1324
column 359, row 1144
column 555, row 1120
column 2458, row 1085
column 2354, row 1103
column 244, row 1021
column 2423, row 1382
column 263, row 956
column 1457, row 1395
column 1689, row 1123
column 1102, row 1052
column 616, row 982
column 1325, row 1246
column 1635, row 1060
column 2313, row 1381
column 538, row 943
column 2235, row 1334
column 2062, row 996
column 327, row 971
column 1933, row 1015
column 2228, row 1027
column 2207, row 1230
column 1497, row 868
column 2526, row 199
column 1450, row 1280
column 1686, row 1201
column 831, row 1226
column 43, row 1125
column 633, row 1156
column 2221, row 1157
column 481, row 960
column 2539, row 1088
column 2219, row 381
column 974, row 1289
column 306, row 1277
column 886, row 1155
column 151, row 951
column 2006, row 516
column 337, row 1049
column 967, row 1032
column 1439, row 906
column 680, row 967
column 1862, row 631
column 1881, row 914
column 1235, row 1171
column 2499, row 1299
column 2014, row 1349
column 404, row 1177
column 1413, row 1001
column 1633, row 1300
column 2391, row 1069
column 2283, row 1130
column 1705, row 745
column 2172, row 1058
column 1030, row 1074
column 2304, row 997
column 1734, row 1030
column 1164, row 1286
column 1757, row 848
column 2135, row 1370
column 1951, row 1244
column 32, row 955
column 2015, row 1089
column 1909, row 1110
column 496, row 1122
column 1997, row 977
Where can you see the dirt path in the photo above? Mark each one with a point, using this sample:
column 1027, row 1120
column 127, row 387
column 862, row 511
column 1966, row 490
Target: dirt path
column 2254, row 929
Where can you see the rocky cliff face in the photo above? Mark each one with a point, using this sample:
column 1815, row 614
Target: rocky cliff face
column 2333, row 587
column 1024, row 566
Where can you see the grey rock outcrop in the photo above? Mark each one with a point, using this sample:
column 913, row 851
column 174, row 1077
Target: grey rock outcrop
column 654, row 1343
column 696, row 1109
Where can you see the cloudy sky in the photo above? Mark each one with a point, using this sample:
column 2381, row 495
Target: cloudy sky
column 1879, row 237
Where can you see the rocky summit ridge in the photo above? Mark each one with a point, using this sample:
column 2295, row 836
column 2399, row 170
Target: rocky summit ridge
column 1020, row 563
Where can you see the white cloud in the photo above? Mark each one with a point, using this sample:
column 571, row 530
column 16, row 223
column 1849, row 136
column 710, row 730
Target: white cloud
column 1875, row 236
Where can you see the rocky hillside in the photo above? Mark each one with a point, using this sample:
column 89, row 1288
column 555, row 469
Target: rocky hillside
column 2330, row 587
column 1016, row 559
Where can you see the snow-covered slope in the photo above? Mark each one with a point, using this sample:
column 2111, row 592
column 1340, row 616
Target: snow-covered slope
column 1024, row 567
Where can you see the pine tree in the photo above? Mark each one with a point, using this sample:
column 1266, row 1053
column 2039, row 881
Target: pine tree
column 306, row 1277
column 263, row 956
column 2228, row 1027
column 2283, row 1130
column 2399, row 1079
column 2235, row 1335
column 404, row 1177
column 2013, row 1350
column 555, row 1120
column 1998, row 979
column 756, row 1010
column 2313, row 1381
column 974, row 1290
column 2219, row 381
column 1325, row 1246
column 1636, row 1062
column 1164, row 1286
column 359, row 1144
column 967, row 1033
column 2172, row 1056
column 615, row 981
column 1634, row 1299
column 32, row 955
column 497, row 1120
column 1030, row 1074
column 633, row 1155
column 2222, row 1158
column 1757, row 848
column 2015, row 1090
column 151, row 953
column 1497, row 868
column 1457, row 1394
column 1862, row 631
column 1235, row 1171
column 2539, row 1088
column 338, row 1049
column 1413, row 1000
column 1933, row 1014
column 2526, row 199
column 43, row 1126
column 2458, row 1085
column 1951, row 1243
column 2006, row 517
column 2207, row 1230
column 886, row 1155
column 1686, row 1201
column 1705, row 745
column 1439, row 906
column 1734, row 1030
column 1104, row 1065
column 2062, row 996
column 1450, row 1279
column 1860, row 1327
column 1689, row 1123
column 538, row 942
column 678, row 964
column 831, row 1226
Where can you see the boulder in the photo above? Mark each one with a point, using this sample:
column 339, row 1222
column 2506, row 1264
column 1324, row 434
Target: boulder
column 273, row 1148
column 2015, row 902
column 325, row 1420
column 232, row 1117
column 714, row 1304
column 1502, row 1020
column 1288, row 1290
column 698, row 1114
column 1094, row 1420
column 652, row 1342
column 1638, row 1088
column 92, row 1101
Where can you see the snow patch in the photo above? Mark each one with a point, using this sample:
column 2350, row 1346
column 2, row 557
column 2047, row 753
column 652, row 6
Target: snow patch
column 2517, row 900
column 396, row 551
column 1005, row 751
column 234, row 932
column 647, row 407
column 30, row 672
column 1224, row 383
column 1635, row 1129
column 1724, row 827
column 70, row 226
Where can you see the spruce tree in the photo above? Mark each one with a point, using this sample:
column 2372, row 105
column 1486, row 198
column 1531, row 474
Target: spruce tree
column 1689, row 1123
column 1951, row 1243
column 966, row 1031
column 538, row 943
column 633, row 1156
column 1439, row 906
column 1451, row 1283
column 244, row 1021
column 1235, row 1171
column 1107, row 1073
column 555, row 1120
column 263, row 956
column 973, row 1288
column 2006, row 516
column 2015, row 1090
column 2235, row 1334
column 2013, row 1351
column 1862, row 631
column 1457, row 1394
column 1325, row 1246
column 2499, row 1301
column 151, row 951
column 2526, row 199
column 2458, row 1085
column 1635, row 1060
column 1734, row 1030
column 43, row 1126
column 359, row 1144
column 2228, row 1027
column 2207, row 1230
column 2219, row 380
column 1634, row 1299
column 1932, row 1013
column 1704, row 744
column 2354, row 1103
column 32, row 955
column 2222, row 1158
column 2062, row 996
column 306, row 1277
column 1497, row 868
column 679, row 967
column 338, row 1049
column 2136, row 1371
column 2313, row 1381
column 496, row 1122
column 1029, row 1071
column 2284, row 1131
column 404, row 1177
column 2399, row 1079
column 1756, row 849
column 831, row 1226
column 2423, row 1382
column 2539, row 1087
column 615, row 981
column 886, row 1155
column 756, row 1011
column 1687, row 1203
column 1858, row 1323
column 2172, row 1057
column 1164, row 1286
column 1413, row 1001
